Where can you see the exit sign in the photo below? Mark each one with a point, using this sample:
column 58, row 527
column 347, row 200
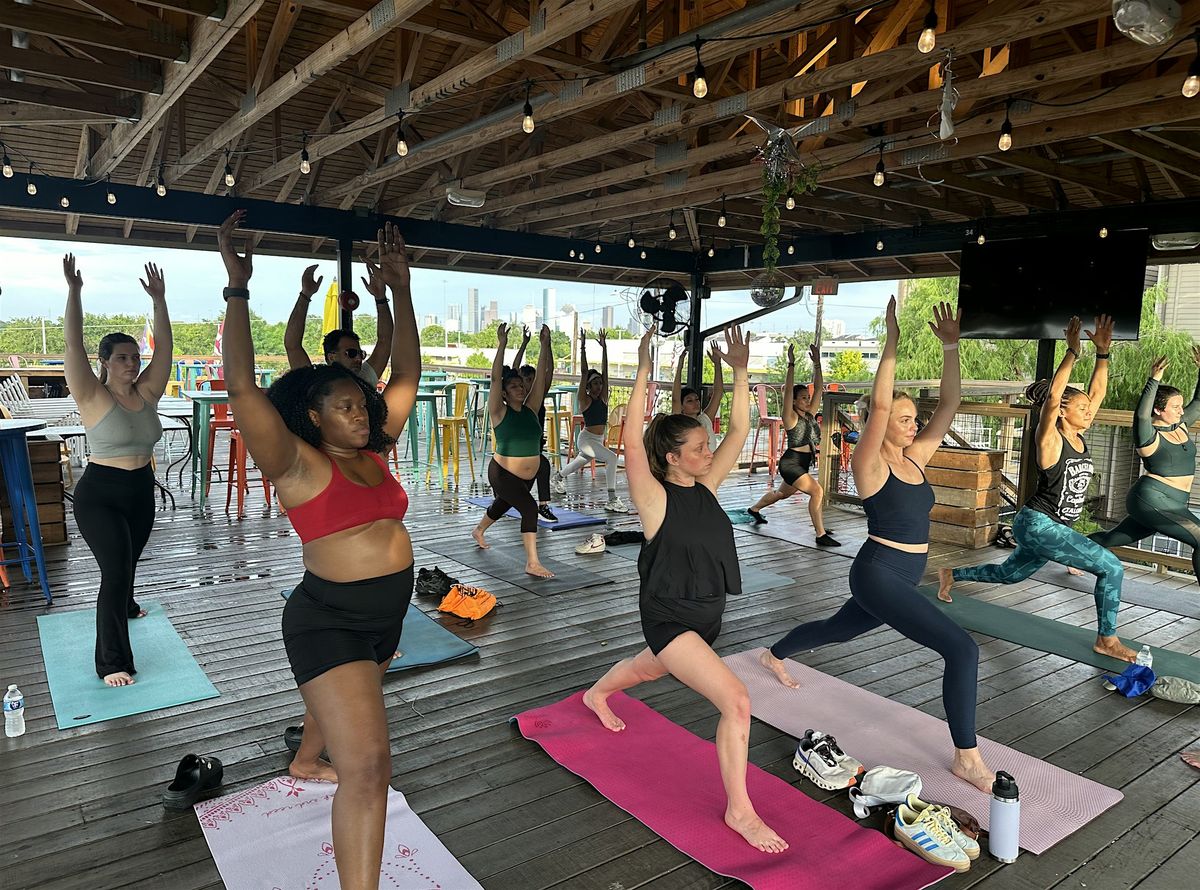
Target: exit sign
column 824, row 287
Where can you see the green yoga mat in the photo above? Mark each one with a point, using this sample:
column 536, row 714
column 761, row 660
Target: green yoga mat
column 1056, row 637
column 167, row 674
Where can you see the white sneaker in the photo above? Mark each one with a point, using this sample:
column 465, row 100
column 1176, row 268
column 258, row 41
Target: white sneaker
column 817, row 763
column 593, row 544
column 616, row 505
column 969, row 845
column 558, row 483
column 848, row 763
column 924, row 835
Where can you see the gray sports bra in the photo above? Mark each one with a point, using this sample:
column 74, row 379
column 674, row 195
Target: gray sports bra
column 125, row 433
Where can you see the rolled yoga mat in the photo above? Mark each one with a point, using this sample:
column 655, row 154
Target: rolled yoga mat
column 1056, row 637
column 1185, row 602
column 506, row 560
column 668, row 779
column 423, row 641
column 880, row 732
column 566, row 518
column 279, row 834
column 167, row 674
column 753, row 580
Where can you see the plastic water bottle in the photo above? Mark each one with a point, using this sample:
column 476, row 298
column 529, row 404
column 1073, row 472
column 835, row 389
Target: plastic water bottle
column 1004, row 819
column 14, row 712
column 1145, row 658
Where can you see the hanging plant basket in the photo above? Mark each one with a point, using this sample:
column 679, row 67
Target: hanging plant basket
column 781, row 177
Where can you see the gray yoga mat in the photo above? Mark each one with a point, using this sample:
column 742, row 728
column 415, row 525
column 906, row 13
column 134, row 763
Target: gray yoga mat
column 795, row 532
column 506, row 560
column 1185, row 602
column 753, row 580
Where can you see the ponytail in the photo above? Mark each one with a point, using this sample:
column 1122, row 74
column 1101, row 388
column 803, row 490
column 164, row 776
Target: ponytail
column 666, row 435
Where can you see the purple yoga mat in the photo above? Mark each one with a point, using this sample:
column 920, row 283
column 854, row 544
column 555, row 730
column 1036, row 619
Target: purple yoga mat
column 667, row 778
column 566, row 518
column 877, row 731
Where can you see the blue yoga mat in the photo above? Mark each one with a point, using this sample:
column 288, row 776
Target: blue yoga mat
column 167, row 674
column 753, row 580
column 423, row 641
column 566, row 518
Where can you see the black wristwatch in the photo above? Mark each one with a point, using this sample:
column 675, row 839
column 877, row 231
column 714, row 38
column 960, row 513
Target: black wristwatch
column 382, row 302
column 240, row 292
column 1100, row 355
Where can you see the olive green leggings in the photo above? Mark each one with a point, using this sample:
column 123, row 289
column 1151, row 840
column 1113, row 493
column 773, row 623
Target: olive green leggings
column 1154, row 506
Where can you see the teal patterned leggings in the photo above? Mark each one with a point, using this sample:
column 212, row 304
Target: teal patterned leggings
column 1040, row 540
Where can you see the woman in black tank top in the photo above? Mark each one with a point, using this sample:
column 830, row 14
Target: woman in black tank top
column 687, row 566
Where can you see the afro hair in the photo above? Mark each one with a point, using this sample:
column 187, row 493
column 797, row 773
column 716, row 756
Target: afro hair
column 302, row 389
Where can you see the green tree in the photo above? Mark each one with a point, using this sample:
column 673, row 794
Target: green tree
column 433, row 335
column 478, row 360
column 849, row 366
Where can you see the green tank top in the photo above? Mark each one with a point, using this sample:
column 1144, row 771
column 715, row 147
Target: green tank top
column 519, row 434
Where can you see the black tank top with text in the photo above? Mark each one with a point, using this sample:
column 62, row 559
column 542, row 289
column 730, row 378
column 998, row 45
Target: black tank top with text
column 1062, row 488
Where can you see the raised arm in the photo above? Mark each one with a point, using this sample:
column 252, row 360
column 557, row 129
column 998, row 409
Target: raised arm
column 1102, row 339
column 725, row 458
column 713, row 408
column 789, row 383
column 1144, row 434
column 603, row 338
column 1192, row 410
column 384, row 327
column 400, row 394
column 645, row 491
column 519, row 358
column 545, row 368
column 81, row 379
column 817, row 403
column 276, row 451
column 1049, row 445
column 152, row 382
column 945, row 327
column 866, row 462
column 293, row 334
column 677, row 385
column 496, row 392
column 581, row 395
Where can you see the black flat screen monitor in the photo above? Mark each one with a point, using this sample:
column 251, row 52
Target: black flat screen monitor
column 1028, row 289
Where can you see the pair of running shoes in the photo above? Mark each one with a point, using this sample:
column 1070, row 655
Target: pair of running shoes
column 927, row 829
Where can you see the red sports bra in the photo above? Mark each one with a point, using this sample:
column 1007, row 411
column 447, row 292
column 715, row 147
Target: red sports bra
column 345, row 504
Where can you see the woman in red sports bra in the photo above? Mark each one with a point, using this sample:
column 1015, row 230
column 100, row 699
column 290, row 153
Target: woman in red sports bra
column 317, row 435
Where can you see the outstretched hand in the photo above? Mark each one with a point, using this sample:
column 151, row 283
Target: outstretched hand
column 1159, row 367
column 1072, row 334
column 714, row 353
column 544, row 336
column 393, row 258
column 374, row 282
column 309, row 283
column 602, row 337
column 737, row 348
column 74, row 277
column 891, row 322
column 502, row 335
column 644, row 346
column 525, row 335
column 155, row 284
column 945, row 324
column 1102, row 337
column 239, row 268
column 814, row 356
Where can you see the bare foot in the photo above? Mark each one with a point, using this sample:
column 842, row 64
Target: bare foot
column 1191, row 758
column 969, row 767
column 1071, row 570
column 1114, row 647
column 478, row 536
column 141, row 614
column 756, row 832
column 945, row 582
column 315, row 771
column 778, row 668
column 598, row 705
column 538, row 570
column 120, row 678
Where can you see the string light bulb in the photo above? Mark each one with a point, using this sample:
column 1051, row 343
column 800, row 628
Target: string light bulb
column 699, row 83
column 1006, row 141
column 64, row 202
column 981, row 240
column 671, row 233
column 631, row 242
column 790, row 203
column 643, row 254
column 1104, row 231
column 30, row 187
column 722, row 221
column 928, row 39
column 109, row 196
column 598, row 247
column 230, row 180
column 879, row 245
column 712, row 249
column 572, row 253
column 7, row 168
column 305, row 165
column 401, row 145
column 161, row 187
column 880, row 176
column 527, row 120
column 1191, row 84
column 791, row 250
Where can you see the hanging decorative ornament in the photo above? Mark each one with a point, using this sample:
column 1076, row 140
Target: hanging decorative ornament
column 949, row 100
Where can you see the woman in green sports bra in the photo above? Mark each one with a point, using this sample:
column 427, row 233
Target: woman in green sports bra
column 518, row 456
column 1158, row 501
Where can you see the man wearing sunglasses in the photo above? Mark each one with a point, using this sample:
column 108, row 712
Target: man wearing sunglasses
column 341, row 346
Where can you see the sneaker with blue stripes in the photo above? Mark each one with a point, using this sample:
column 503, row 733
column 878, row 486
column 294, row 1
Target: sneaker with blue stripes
column 969, row 845
column 924, row 834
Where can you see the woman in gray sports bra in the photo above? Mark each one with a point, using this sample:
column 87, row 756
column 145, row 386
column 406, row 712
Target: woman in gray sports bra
column 114, row 499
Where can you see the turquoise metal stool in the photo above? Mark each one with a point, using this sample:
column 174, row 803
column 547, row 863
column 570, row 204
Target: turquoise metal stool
column 22, row 499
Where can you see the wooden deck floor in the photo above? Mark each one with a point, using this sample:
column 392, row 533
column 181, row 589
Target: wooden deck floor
column 79, row 808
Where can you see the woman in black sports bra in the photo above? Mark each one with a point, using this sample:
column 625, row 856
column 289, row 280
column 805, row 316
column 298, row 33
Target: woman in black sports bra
column 889, row 472
column 687, row 566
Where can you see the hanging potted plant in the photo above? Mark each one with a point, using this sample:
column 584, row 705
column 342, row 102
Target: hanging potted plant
column 781, row 177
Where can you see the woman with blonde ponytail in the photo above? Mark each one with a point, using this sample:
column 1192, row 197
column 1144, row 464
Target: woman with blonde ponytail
column 687, row 566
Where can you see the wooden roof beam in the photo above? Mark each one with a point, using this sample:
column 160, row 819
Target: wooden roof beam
column 1072, row 176
column 1156, row 153
column 208, row 39
column 109, row 106
column 974, row 186
column 90, row 32
column 15, row 113
column 138, row 77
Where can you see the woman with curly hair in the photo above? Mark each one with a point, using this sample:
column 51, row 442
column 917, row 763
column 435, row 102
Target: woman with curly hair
column 317, row 434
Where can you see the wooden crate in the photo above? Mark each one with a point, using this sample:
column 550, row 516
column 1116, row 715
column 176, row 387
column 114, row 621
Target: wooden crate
column 966, row 480
column 44, row 461
column 966, row 490
column 967, row 459
column 959, row 497
column 972, row 538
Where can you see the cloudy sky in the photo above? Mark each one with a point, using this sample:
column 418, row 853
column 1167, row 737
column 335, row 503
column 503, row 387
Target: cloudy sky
column 32, row 285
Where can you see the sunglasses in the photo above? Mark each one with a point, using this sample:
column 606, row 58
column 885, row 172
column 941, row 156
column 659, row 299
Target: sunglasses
column 353, row 353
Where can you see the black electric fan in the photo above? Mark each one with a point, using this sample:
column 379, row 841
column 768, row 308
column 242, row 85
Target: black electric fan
column 667, row 303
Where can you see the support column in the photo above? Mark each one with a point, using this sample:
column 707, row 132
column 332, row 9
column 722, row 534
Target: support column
column 346, row 277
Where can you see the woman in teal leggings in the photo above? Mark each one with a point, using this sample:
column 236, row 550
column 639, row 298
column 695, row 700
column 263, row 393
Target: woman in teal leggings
column 1042, row 527
column 1158, row 501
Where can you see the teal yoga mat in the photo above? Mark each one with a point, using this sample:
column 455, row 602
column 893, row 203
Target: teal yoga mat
column 167, row 674
column 1056, row 637
column 423, row 641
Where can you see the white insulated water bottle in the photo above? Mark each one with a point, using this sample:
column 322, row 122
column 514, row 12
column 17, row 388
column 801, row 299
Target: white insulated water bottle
column 1004, row 819
column 14, row 712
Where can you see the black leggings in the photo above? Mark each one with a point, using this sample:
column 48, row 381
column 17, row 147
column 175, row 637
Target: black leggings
column 512, row 491
column 114, row 510
column 543, row 480
column 883, row 590
column 1154, row 506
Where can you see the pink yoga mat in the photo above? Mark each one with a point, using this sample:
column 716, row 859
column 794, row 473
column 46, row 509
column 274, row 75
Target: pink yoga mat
column 667, row 778
column 1054, row 802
